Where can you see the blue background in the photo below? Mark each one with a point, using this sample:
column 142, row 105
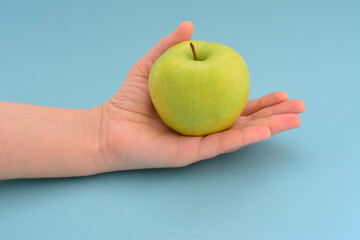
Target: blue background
column 302, row 184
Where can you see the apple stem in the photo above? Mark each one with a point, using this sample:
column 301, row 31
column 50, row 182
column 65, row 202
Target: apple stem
column 193, row 51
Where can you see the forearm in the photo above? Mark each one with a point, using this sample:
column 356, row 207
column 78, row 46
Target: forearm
column 38, row 141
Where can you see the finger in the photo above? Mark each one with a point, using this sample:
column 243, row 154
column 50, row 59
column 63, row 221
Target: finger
column 292, row 106
column 268, row 100
column 276, row 123
column 221, row 142
column 182, row 33
column 233, row 139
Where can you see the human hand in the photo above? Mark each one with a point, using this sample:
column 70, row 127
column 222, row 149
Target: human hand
column 132, row 135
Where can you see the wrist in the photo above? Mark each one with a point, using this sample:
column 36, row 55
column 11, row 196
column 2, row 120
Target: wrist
column 92, row 146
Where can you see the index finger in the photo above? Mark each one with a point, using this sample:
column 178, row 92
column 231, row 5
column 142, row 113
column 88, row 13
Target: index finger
column 265, row 101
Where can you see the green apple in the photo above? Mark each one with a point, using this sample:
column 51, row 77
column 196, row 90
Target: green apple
column 198, row 87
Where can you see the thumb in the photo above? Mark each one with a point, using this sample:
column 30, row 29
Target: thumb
column 182, row 33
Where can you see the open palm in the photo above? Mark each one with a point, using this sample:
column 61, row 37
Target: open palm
column 134, row 137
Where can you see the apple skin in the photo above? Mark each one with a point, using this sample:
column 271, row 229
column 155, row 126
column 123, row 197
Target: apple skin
column 199, row 97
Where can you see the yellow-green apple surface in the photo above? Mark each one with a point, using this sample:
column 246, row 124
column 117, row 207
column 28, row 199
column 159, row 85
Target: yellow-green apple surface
column 198, row 87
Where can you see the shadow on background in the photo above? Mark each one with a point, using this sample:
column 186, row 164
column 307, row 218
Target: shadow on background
column 251, row 167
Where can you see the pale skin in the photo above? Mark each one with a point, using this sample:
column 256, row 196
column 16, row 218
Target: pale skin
column 126, row 132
